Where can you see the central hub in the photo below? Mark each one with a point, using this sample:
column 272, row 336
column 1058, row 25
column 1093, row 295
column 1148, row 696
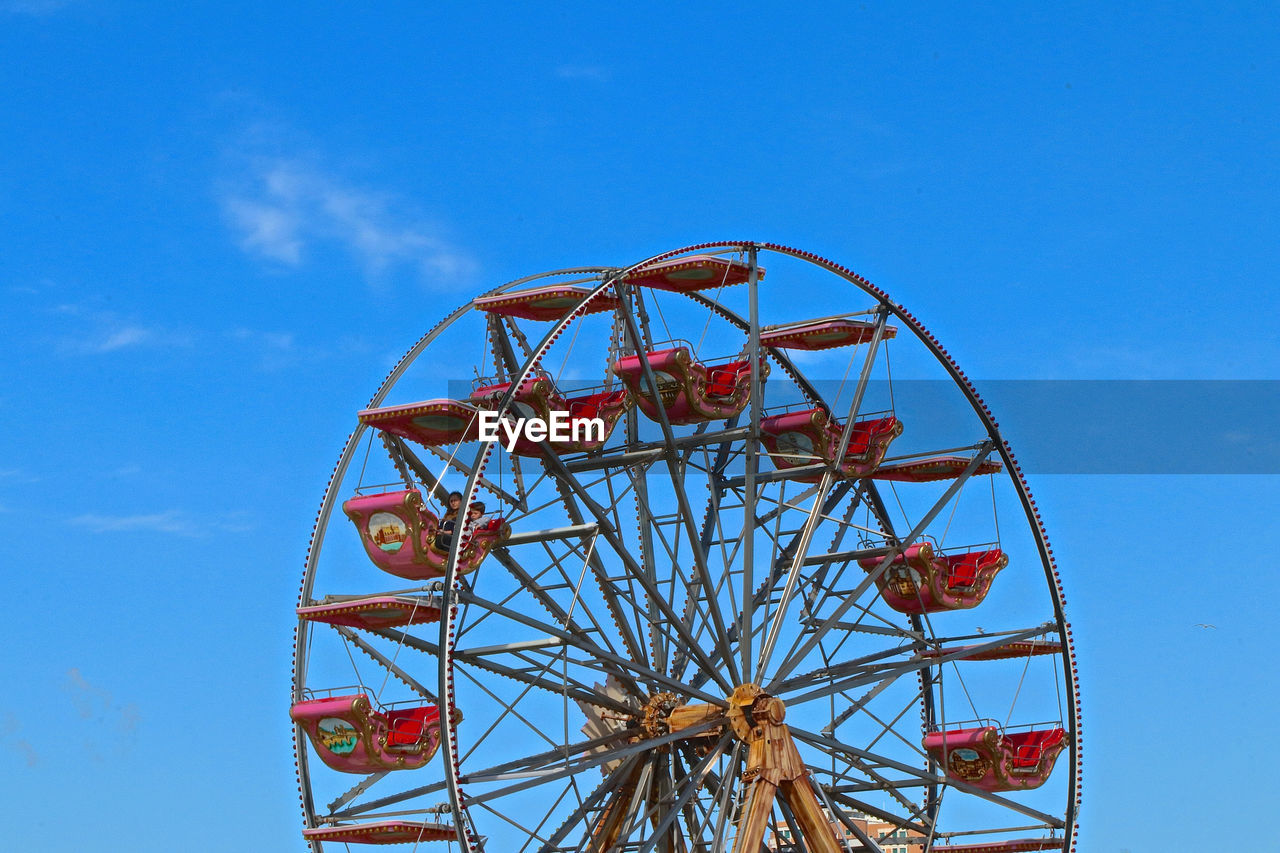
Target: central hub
column 753, row 715
column 752, row 711
column 656, row 714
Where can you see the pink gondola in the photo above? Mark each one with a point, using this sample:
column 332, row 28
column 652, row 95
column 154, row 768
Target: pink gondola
column 693, row 272
column 1011, row 845
column 992, row 760
column 933, row 469
column 920, row 580
column 400, row 535
column 689, row 390
column 545, row 303
column 809, row 436
column 382, row 832
column 1015, row 649
column 432, row 423
column 822, row 334
column 351, row 736
column 379, row 611
column 538, row 398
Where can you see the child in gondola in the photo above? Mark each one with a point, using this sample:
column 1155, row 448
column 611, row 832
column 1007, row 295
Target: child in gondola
column 476, row 520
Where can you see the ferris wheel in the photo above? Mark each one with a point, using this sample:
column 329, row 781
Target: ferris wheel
column 718, row 551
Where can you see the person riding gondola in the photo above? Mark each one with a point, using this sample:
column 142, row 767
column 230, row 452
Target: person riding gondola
column 476, row 519
column 448, row 522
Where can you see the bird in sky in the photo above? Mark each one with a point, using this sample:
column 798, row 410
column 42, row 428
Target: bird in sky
column 1205, row 625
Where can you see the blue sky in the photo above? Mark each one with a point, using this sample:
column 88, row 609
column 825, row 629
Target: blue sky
column 223, row 224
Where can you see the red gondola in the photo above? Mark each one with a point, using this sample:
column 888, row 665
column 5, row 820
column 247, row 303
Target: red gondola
column 351, row 736
column 805, row 437
column 920, row 580
column 993, row 760
column 689, row 390
column 576, row 424
column 400, row 535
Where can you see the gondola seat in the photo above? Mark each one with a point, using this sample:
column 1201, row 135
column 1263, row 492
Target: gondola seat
column 400, row 535
column 920, row 580
column 693, row 272
column 992, row 760
column 809, row 436
column 688, row 390
column 539, row 398
column 433, row 423
column 351, row 736
column 382, row 832
column 822, row 334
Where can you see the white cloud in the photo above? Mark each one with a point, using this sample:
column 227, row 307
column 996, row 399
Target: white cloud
column 284, row 207
column 171, row 521
column 595, row 73
column 9, row 726
column 102, row 716
column 123, row 337
column 277, row 350
column 92, row 331
column 34, row 8
column 271, row 231
column 283, row 341
column 112, row 336
column 89, row 699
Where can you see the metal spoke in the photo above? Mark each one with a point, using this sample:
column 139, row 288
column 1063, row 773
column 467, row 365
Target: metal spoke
column 857, row 673
column 607, row 785
column 688, row 786
column 549, row 775
column 593, row 650
column 794, row 658
column 677, row 479
column 923, row 775
column 635, row 572
column 581, row 693
column 353, row 638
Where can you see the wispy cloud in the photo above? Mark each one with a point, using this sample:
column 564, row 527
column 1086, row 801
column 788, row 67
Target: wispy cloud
column 126, row 336
column 33, row 8
column 95, row 705
column 92, row 331
column 170, row 521
column 594, row 73
column 278, row 341
column 283, row 208
column 275, row 350
column 9, row 727
column 278, row 350
column 90, row 701
column 29, row 754
column 175, row 522
column 272, row 230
